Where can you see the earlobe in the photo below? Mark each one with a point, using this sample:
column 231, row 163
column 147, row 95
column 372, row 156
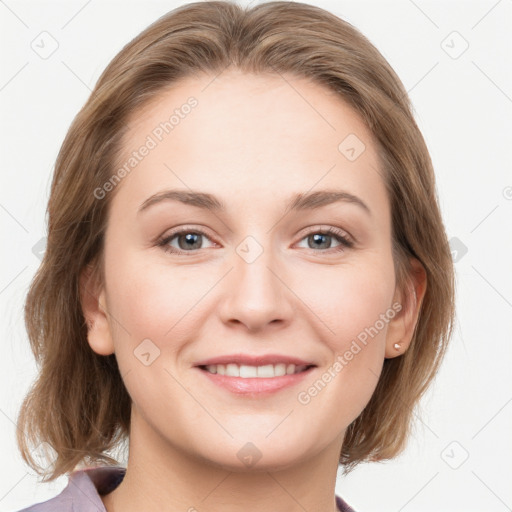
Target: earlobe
column 92, row 297
column 401, row 328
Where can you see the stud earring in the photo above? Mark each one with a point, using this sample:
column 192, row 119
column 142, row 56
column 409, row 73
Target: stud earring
column 397, row 346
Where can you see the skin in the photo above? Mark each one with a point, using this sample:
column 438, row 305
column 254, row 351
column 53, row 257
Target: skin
column 252, row 141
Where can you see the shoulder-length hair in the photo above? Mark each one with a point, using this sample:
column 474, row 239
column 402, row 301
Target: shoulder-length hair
column 78, row 404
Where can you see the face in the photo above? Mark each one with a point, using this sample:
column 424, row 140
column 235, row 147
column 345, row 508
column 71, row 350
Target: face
column 266, row 265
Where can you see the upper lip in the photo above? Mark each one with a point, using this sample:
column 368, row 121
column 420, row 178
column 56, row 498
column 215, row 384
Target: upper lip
column 250, row 360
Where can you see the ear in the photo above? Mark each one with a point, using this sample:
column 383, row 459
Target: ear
column 92, row 298
column 401, row 327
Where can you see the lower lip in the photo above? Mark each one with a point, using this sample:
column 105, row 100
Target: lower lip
column 256, row 385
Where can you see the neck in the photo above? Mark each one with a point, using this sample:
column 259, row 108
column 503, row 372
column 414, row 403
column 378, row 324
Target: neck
column 161, row 476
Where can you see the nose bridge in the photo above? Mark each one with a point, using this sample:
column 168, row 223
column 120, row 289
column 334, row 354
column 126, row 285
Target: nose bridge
column 256, row 296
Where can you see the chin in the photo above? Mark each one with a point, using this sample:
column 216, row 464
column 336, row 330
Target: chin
column 270, row 454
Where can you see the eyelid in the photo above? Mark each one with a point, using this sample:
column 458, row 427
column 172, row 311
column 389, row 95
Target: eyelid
column 329, row 229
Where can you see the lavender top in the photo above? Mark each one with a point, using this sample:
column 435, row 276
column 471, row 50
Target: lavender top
column 82, row 494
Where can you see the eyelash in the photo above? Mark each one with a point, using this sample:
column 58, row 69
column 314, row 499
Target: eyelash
column 345, row 242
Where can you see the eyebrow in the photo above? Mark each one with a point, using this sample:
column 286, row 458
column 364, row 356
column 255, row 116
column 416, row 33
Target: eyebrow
column 298, row 202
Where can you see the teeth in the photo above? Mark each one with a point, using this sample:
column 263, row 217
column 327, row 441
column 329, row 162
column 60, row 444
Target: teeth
column 246, row 372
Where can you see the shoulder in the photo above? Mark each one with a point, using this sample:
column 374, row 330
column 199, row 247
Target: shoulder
column 83, row 491
column 343, row 506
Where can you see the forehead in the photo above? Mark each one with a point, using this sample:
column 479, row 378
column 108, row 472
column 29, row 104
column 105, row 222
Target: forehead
column 253, row 133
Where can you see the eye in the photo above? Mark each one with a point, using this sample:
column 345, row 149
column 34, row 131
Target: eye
column 188, row 240
column 322, row 239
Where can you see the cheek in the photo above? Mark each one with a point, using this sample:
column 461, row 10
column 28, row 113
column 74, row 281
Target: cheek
column 153, row 315
column 350, row 300
column 349, row 304
column 355, row 311
column 156, row 302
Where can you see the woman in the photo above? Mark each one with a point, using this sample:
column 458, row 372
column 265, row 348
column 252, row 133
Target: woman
column 247, row 275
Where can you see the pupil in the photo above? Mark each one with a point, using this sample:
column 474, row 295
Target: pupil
column 317, row 237
column 191, row 238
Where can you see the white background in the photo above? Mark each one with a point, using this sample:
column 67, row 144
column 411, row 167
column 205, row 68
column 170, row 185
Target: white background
column 463, row 107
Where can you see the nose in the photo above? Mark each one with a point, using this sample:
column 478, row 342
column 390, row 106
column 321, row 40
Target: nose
column 256, row 294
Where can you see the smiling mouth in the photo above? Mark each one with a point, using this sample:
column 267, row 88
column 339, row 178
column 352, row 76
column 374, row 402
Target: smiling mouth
column 267, row 371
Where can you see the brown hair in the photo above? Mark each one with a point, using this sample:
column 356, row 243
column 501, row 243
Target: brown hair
column 79, row 405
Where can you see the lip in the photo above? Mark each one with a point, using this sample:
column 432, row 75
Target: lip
column 255, row 360
column 255, row 387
